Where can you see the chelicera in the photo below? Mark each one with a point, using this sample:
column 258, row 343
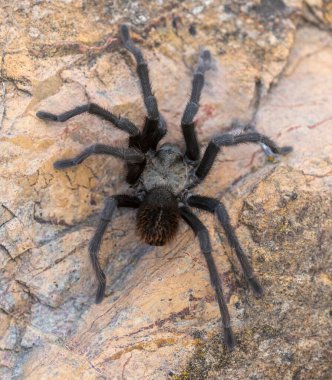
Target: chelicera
column 163, row 177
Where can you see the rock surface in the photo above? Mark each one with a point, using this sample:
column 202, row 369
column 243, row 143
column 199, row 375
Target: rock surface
column 160, row 319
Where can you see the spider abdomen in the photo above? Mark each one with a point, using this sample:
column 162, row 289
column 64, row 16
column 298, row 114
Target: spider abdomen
column 158, row 217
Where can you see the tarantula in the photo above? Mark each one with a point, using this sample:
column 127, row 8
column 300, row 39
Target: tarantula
column 163, row 177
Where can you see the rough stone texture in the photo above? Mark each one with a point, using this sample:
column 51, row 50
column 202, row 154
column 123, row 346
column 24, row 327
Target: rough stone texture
column 159, row 319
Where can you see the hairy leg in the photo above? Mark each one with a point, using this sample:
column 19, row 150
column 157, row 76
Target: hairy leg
column 110, row 205
column 228, row 139
column 187, row 124
column 238, row 128
column 130, row 155
column 251, row 126
column 92, row 108
column 203, row 236
column 214, row 206
column 155, row 126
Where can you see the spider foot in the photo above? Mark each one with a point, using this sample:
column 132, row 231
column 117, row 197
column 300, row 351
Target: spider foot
column 256, row 287
column 275, row 157
column 229, row 339
column 285, row 150
column 100, row 292
column 124, row 33
column 130, row 45
column 204, row 60
column 64, row 164
column 46, row 116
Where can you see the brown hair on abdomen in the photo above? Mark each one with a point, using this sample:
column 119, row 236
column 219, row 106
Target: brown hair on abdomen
column 158, row 217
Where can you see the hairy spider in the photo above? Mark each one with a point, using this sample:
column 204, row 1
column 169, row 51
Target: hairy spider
column 162, row 177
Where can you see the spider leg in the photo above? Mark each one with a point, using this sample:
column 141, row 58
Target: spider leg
column 130, row 155
column 155, row 126
column 106, row 215
column 187, row 124
column 228, row 139
column 251, row 126
column 203, row 236
column 242, row 128
column 119, row 122
column 214, row 206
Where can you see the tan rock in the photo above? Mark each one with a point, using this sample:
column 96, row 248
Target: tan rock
column 159, row 319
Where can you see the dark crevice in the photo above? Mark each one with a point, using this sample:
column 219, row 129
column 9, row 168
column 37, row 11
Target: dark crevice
column 32, row 296
column 7, row 252
column 16, row 82
column 310, row 17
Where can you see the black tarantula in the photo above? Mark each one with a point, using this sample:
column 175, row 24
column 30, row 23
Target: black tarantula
column 164, row 176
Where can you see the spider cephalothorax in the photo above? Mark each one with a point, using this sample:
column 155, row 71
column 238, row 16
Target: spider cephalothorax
column 162, row 177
